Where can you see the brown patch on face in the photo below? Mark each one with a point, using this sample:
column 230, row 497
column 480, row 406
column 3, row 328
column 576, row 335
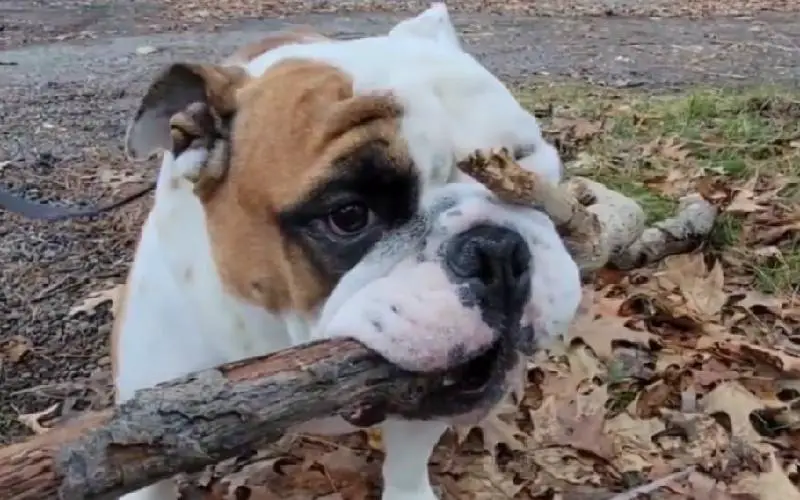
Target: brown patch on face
column 296, row 127
column 298, row 35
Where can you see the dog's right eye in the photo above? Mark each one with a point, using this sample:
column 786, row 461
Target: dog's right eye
column 350, row 219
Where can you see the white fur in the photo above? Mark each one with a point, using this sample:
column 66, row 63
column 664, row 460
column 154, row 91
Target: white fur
column 173, row 325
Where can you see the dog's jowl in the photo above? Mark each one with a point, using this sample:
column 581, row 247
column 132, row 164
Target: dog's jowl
column 308, row 190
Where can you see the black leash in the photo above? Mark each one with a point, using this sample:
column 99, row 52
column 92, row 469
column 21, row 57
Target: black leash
column 42, row 211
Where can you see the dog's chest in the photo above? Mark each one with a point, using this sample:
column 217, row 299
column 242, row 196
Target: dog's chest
column 178, row 317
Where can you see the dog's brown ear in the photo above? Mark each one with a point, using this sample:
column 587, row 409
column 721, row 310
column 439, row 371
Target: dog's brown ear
column 173, row 90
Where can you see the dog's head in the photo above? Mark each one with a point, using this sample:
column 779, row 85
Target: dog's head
column 330, row 193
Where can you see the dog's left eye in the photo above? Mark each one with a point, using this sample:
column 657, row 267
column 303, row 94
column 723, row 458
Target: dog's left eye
column 350, row 219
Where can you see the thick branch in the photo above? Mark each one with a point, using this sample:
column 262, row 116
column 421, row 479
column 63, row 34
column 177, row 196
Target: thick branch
column 203, row 418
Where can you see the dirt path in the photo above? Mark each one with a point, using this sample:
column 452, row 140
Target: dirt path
column 64, row 106
column 613, row 50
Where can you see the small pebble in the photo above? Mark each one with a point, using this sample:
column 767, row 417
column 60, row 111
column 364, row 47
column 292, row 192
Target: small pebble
column 146, row 50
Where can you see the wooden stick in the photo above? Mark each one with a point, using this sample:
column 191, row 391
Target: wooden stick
column 581, row 230
column 598, row 225
column 206, row 417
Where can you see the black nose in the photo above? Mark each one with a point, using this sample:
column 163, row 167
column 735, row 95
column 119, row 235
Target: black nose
column 494, row 260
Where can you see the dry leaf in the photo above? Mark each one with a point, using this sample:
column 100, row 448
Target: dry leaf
column 342, row 459
column 754, row 298
column 497, row 428
column 703, row 486
column 603, row 334
column 573, row 420
column 14, row 349
column 674, row 183
column 701, row 288
column 633, row 443
column 600, row 327
column 738, row 403
column 578, row 128
column 771, row 235
column 743, row 202
column 566, row 465
column 781, row 361
column 768, row 251
column 584, row 364
column 671, row 149
column 482, row 480
column 773, row 484
column 95, row 299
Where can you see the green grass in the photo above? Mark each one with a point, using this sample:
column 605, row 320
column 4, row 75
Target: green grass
column 781, row 275
column 729, row 134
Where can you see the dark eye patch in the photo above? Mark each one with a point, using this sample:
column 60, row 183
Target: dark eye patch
column 386, row 184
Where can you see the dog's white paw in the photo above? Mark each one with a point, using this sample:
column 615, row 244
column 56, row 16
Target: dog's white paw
column 408, row 446
column 425, row 493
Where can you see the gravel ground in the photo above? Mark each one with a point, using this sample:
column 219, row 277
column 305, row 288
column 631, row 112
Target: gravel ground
column 37, row 20
column 64, row 107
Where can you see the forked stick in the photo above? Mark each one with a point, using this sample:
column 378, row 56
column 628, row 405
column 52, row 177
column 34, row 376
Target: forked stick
column 598, row 225
column 582, row 230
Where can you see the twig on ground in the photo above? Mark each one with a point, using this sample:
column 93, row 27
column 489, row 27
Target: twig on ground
column 652, row 486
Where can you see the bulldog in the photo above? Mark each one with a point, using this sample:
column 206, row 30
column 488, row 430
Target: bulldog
column 327, row 203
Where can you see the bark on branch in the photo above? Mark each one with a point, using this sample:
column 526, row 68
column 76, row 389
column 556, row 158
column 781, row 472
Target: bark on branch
column 206, row 417
column 598, row 225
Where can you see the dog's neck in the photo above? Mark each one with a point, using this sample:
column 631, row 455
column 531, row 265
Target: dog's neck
column 174, row 289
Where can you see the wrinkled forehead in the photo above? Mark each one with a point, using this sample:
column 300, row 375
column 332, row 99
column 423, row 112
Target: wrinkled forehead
column 300, row 128
column 456, row 207
column 451, row 105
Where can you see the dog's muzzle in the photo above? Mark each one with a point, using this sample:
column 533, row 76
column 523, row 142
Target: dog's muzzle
column 493, row 264
column 454, row 306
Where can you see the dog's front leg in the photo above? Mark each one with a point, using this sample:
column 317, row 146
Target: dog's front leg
column 163, row 490
column 408, row 446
